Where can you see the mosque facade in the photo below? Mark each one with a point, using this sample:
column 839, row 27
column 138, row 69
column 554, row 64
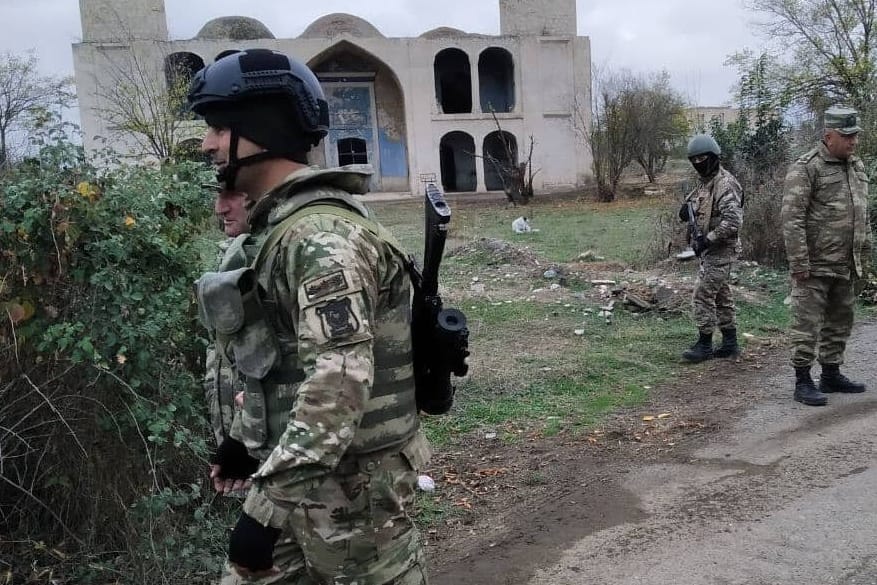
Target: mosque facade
column 444, row 106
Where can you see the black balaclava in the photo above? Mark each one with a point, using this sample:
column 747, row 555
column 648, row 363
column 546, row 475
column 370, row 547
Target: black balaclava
column 708, row 167
column 269, row 123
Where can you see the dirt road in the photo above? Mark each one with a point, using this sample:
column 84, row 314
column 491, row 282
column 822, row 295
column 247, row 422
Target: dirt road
column 745, row 486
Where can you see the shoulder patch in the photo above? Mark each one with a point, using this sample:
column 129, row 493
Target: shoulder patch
column 337, row 319
column 323, row 286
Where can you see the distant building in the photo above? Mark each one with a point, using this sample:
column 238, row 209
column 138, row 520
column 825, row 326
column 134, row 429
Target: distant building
column 700, row 117
column 414, row 108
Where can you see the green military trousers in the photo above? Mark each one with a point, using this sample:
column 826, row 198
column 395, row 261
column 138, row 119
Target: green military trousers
column 822, row 319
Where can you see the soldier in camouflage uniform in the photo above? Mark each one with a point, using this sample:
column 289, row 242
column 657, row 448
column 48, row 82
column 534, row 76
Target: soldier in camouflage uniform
column 828, row 244
column 317, row 326
column 220, row 383
column 718, row 209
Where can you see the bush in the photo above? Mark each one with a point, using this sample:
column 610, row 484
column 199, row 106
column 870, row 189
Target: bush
column 102, row 430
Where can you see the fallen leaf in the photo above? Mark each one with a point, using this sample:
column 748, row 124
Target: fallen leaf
column 648, row 418
column 664, row 415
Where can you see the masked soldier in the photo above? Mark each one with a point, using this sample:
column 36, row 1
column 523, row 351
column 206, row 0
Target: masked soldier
column 718, row 207
column 828, row 244
column 317, row 326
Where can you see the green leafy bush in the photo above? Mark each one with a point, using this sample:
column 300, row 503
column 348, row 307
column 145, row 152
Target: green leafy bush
column 102, row 429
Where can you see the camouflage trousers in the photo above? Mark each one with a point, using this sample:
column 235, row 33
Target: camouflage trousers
column 822, row 319
column 347, row 528
column 712, row 302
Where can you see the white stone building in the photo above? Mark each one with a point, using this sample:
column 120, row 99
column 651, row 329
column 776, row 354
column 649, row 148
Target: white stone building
column 414, row 108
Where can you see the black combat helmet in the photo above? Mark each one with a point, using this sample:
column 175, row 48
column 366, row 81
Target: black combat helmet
column 266, row 97
column 254, row 73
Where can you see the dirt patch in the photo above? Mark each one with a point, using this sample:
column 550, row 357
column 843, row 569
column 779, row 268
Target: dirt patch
column 516, row 505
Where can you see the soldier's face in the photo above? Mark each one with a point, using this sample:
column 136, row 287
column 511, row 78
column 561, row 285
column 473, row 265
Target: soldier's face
column 217, row 145
column 229, row 207
column 841, row 146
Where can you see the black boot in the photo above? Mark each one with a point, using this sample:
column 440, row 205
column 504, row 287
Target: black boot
column 832, row 380
column 729, row 347
column 806, row 391
column 701, row 350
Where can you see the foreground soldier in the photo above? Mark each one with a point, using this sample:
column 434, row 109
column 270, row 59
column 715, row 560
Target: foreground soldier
column 828, row 243
column 318, row 328
column 718, row 207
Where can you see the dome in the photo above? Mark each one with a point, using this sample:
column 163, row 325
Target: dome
column 444, row 32
column 236, row 28
column 339, row 23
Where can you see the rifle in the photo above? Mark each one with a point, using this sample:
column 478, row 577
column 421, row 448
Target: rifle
column 694, row 232
column 439, row 335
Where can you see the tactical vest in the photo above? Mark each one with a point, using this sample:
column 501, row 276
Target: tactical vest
column 243, row 307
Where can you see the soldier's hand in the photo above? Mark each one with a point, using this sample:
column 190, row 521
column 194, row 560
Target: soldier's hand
column 233, row 461
column 251, row 547
column 800, row 276
column 225, row 486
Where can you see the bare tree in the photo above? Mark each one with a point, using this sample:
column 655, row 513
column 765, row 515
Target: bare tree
column 26, row 97
column 610, row 133
column 516, row 176
column 830, row 45
column 658, row 118
column 144, row 99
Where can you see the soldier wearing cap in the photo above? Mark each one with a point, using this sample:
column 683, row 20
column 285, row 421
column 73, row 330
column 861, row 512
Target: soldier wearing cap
column 828, row 244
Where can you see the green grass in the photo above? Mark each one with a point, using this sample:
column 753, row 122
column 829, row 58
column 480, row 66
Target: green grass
column 529, row 368
column 617, row 231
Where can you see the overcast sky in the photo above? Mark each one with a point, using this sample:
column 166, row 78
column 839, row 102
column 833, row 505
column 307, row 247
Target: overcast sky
column 689, row 38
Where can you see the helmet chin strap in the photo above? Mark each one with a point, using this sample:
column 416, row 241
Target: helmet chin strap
column 229, row 173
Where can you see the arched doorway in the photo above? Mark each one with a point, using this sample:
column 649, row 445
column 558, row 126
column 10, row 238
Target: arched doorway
column 367, row 114
column 500, row 158
column 179, row 69
column 457, row 154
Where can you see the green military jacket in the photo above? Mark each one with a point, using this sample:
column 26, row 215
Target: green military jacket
column 718, row 205
column 825, row 215
column 329, row 365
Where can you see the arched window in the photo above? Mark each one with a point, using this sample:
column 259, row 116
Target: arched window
column 453, row 82
column 352, row 151
column 496, row 80
column 179, row 69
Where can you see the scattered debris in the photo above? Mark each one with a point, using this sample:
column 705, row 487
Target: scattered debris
column 425, row 483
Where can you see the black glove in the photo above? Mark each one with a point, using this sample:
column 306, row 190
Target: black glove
column 700, row 244
column 233, row 460
column 251, row 545
column 683, row 213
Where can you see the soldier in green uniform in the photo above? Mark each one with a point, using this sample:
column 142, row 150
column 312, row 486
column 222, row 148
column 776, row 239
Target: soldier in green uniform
column 220, row 383
column 828, row 244
column 717, row 202
column 317, row 326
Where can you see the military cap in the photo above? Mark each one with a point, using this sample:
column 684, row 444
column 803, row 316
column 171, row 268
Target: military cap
column 844, row 120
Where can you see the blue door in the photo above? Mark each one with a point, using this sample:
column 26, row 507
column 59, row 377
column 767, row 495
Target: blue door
column 352, row 127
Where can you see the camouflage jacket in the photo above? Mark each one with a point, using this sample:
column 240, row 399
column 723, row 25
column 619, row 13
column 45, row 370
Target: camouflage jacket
column 337, row 299
column 718, row 204
column 220, row 382
column 825, row 215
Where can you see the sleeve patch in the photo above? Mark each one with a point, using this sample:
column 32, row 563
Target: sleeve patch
column 337, row 319
column 323, row 286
